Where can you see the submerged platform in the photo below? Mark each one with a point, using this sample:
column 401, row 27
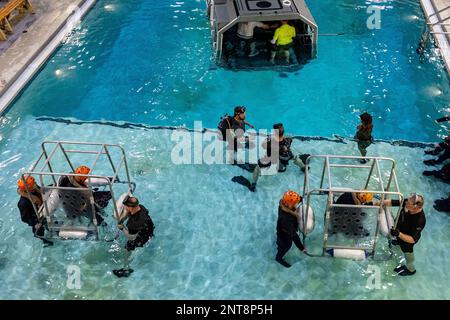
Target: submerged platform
column 214, row 239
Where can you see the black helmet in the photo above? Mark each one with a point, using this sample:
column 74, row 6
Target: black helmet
column 366, row 118
column 130, row 201
column 278, row 125
column 239, row 110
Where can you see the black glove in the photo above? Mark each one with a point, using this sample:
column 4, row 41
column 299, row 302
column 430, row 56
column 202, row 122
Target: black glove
column 395, row 232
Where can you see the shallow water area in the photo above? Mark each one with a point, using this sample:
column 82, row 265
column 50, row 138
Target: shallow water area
column 214, row 239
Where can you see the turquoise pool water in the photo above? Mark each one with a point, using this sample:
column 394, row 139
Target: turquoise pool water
column 150, row 62
column 214, row 240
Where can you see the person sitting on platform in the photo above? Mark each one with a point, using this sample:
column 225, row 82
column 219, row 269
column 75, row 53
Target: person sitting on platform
column 101, row 198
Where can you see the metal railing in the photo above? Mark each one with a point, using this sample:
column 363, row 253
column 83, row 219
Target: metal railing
column 44, row 166
column 374, row 173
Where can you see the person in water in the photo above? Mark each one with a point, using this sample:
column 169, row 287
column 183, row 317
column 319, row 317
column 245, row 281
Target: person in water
column 30, row 194
column 101, row 198
column 363, row 134
column 442, row 147
column 139, row 230
column 245, row 33
column 283, row 40
column 234, row 129
column 442, row 204
column 442, row 174
column 283, row 143
column 410, row 225
column 287, row 226
column 353, row 198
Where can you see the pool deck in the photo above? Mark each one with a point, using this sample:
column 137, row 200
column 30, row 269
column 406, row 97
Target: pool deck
column 438, row 16
column 34, row 39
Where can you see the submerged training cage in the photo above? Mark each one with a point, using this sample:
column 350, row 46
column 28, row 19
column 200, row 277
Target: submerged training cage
column 225, row 15
column 73, row 212
column 348, row 230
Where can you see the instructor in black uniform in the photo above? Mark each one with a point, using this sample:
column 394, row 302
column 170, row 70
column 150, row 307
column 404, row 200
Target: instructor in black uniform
column 408, row 230
column 139, row 230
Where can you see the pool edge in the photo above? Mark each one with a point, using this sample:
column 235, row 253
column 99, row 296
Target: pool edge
column 14, row 87
column 431, row 12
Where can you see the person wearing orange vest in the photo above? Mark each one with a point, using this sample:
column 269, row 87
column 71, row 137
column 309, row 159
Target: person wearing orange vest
column 101, row 198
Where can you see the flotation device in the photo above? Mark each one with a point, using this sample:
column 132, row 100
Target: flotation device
column 72, row 234
column 348, row 254
column 52, row 201
column 386, row 222
column 96, row 182
column 120, row 214
column 310, row 223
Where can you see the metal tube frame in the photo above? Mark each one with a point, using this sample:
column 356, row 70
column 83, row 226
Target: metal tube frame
column 104, row 150
column 385, row 192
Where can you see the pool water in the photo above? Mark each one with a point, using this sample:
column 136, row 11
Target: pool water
column 214, row 239
column 150, row 62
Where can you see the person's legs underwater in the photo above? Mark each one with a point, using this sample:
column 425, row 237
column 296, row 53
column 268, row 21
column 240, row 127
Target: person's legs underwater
column 300, row 161
column 273, row 54
column 284, row 243
column 253, row 51
column 408, row 269
column 409, row 256
column 298, row 243
column 362, row 147
column 40, row 234
column 286, row 55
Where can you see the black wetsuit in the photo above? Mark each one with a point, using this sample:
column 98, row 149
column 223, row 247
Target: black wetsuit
column 345, row 198
column 287, row 226
column 442, row 204
column 409, row 224
column 141, row 224
column 284, row 153
column 443, row 174
column 28, row 215
column 443, row 146
column 238, row 127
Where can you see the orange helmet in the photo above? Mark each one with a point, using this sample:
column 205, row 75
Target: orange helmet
column 30, row 183
column 82, row 170
column 364, row 197
column 291, row 198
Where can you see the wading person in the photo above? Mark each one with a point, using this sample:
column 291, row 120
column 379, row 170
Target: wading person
column 139, row 230
column 287, row 226
column 409, row 228
column 363, row 134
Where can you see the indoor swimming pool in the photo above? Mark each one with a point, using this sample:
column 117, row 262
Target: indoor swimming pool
column 132, row 71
